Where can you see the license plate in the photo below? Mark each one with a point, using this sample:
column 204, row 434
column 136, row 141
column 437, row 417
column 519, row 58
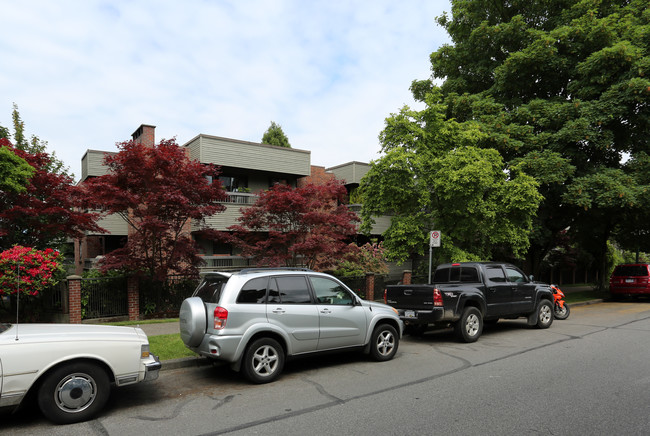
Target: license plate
column 409, row 314
column 629, row 280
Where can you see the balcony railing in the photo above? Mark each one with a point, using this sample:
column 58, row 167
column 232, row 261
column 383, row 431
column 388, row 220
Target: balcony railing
column 240, row 198
column 225, row 262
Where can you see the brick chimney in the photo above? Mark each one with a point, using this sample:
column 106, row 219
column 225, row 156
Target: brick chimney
column 145, row 135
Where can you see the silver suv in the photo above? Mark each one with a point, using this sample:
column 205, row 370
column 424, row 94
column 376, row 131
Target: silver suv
column 257, row 318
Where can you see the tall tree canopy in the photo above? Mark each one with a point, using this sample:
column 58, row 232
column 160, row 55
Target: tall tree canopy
column 33, row 144
column 159, row 192
column 15, row 172
column 482, row 206
column 47, row 212
column 290, row 226
column 274, row 135
column 560, row 89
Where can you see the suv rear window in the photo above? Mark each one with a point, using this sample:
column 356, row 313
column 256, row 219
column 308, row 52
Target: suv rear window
column 631, row 270
column 210, row 288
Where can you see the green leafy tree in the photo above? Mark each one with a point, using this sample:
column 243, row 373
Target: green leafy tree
column 358, row 261
column 32, row 144
column 560, row 89
column 274, row 135
column 15, row 172
column 482, row 206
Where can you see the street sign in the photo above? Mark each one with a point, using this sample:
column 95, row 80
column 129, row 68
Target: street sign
column 434, row 238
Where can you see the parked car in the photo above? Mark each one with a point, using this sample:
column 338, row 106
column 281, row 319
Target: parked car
column 70, row 367
column 630, row 280
column 467, row 294
column 257, row 318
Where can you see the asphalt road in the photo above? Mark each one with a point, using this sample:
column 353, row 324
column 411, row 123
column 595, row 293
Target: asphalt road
column 588, row 375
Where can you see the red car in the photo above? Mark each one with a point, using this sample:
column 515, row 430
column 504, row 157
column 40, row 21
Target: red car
column 630, row 280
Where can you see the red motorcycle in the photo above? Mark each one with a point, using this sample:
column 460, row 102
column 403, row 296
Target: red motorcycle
column 560, row 308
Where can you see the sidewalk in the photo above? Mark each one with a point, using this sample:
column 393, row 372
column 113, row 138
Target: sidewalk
column 161, row 328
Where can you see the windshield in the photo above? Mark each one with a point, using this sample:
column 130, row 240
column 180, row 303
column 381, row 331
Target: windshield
column 4, row 327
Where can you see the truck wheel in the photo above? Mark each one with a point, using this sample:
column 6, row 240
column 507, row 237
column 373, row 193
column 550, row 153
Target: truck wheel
column 263, row 360
column 544, row 314
column 470, row 325
column 384, row 343
column 73, row 392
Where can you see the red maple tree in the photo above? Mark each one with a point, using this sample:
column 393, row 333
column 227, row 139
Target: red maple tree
column 47, row 211
column 158, row 190
column 288, row 226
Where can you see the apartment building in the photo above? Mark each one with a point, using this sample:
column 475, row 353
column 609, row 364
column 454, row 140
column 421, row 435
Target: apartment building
column 246, row 169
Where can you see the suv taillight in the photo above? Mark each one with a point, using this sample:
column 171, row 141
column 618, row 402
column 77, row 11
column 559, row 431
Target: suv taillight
column 220, row 317
column 437, row 297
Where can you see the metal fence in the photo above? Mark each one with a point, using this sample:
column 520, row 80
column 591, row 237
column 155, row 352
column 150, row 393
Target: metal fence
column 358, row 285
column 104, row 297
column 164, row 298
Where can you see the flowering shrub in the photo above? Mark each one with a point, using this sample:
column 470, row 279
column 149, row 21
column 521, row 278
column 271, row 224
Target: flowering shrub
column 28, row 270
column 369, row 258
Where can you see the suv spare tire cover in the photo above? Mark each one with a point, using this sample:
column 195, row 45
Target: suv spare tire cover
column 192, row 320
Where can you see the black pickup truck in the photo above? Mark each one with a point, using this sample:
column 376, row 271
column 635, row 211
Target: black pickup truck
column 468, row 293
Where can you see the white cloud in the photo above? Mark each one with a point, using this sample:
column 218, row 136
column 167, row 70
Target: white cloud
column 86, row 74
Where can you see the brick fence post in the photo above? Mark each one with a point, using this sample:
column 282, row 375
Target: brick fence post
column 133, row 289
column 74, row 299
column 406, row 277
column 370, row 286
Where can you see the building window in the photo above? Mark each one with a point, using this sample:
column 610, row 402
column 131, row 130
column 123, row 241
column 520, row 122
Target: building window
column 233, row 183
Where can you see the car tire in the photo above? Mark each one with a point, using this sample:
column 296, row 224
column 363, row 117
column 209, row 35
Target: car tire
column 384, row 343
column 74, row 392
column 544, row 314
column 263, row 360
column 470, row 325
column 192, row 321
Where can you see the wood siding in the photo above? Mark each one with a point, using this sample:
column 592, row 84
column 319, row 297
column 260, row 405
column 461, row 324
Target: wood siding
column 92, row 164
column 351, row 172
column 114, row 225
column 249, row 155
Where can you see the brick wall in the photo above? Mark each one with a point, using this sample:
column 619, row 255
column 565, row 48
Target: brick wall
column 145, row 135
column 74, row 299
column 318, row 177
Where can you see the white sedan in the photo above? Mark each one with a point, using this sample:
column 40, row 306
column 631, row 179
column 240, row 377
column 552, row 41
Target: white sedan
column 70, row 367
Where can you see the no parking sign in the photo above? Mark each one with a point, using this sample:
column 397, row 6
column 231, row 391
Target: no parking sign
column 434, row 238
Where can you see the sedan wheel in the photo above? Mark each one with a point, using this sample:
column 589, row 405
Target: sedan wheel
column 73, row 393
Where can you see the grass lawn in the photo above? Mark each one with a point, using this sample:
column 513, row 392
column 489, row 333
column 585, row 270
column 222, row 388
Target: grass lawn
column 168, row 347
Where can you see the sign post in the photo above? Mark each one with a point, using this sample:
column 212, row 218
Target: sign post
column 434, row 241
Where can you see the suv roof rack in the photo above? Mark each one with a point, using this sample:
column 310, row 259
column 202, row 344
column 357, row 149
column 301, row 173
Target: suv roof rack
column 279, row 268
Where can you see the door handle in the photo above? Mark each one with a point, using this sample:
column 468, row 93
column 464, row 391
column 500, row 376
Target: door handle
column 325, row 311
column 278, row 310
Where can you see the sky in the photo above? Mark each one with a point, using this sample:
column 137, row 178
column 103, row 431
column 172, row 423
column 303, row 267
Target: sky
column 86, row 74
